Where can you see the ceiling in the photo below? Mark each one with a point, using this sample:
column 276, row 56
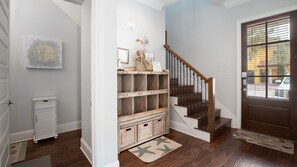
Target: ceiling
column 160, row 4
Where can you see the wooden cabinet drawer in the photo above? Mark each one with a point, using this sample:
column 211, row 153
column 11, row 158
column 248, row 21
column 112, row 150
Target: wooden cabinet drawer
column 145, row 130
column 127, row 136
column 159, row 125
column 45, row 104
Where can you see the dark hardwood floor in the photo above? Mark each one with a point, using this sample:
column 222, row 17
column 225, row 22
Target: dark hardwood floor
column 225, row 151
column 64, row 151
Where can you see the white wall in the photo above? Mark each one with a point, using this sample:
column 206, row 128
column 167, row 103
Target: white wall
column 42, row 18
column 86, row 143
column 205, row 35
column 147, row 21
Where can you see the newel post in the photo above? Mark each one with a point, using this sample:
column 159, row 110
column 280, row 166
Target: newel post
column 211, row 105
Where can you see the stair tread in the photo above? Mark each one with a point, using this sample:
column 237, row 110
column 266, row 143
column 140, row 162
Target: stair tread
column 221, row 122
column 196, row 116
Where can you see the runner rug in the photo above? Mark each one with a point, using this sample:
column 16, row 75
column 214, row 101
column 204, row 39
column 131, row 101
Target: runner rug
column 17, row 152
column 274, row 143
column 154, row 149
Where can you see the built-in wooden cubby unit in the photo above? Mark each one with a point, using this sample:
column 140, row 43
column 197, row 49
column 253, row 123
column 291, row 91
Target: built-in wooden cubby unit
column 143, row 97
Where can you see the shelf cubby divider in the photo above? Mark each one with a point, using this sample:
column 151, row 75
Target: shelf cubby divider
column 163, row 100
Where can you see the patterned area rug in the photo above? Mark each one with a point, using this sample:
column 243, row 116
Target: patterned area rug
column 37, row 162
column 17, row 152
column 274, row 143
column 154, row 149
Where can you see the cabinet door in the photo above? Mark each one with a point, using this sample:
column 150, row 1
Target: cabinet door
column 46, row 123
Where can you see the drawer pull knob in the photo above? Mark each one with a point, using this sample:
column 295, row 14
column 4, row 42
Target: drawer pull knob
column 128, row 129
column 140, row 93
column 45, row 100
column 145, row 125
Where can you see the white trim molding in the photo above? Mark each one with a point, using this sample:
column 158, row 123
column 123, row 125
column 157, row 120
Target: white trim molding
column 104, row 83
column 28, row 134
column 238, row 50
column 86, row 149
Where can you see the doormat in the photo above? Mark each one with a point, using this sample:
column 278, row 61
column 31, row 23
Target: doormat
column 37, row 162
column 154, row 149
column 274, row 143
column 17, row 152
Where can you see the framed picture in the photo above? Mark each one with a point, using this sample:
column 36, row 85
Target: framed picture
column 43, row 53
column 123, row 55
column 157, row 66
column 149, row 56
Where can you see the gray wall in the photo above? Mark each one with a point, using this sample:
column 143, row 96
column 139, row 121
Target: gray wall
column 42, row 18
column 205, row 35
column 148, row 21
column 86, row 72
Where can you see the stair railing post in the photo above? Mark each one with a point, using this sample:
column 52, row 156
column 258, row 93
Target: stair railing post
column 211, row 105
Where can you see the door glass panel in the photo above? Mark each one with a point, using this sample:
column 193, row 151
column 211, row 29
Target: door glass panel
column 279, row 30
column 257, row 60
column 279, row 87
column 256, row 34
column 279, row 59
column 256, row 87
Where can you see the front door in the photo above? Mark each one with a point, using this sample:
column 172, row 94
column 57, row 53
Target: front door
column 269, row 49
column 4, row 82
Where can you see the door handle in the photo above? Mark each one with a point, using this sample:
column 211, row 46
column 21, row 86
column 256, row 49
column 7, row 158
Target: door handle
column 10, row 102
column 244, row 89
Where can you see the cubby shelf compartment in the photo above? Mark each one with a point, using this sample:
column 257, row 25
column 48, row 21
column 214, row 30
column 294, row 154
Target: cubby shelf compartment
column 125, row 83
column 152, row 102
column 139, row 82
column 163, row 82
column 152, row 82
column 140, row 104
column 163, row 100
column 125, row 106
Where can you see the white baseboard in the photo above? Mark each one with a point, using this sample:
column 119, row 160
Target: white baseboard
column 28, row 134
column 70, row 126
column 21, row 136
column 114, row 164
column 86, row 149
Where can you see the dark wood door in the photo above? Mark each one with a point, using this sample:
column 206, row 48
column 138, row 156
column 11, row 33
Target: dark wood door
column 269, row 49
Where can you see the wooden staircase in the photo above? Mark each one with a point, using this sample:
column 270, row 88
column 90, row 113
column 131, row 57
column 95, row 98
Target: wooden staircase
column 195, row 93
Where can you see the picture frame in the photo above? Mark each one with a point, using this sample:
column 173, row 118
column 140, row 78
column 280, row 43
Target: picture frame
column 157, row 66
column 149, row 56
column 41, row 53
column 123, row 55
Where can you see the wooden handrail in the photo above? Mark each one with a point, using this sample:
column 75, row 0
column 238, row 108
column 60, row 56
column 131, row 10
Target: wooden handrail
column 185, row 62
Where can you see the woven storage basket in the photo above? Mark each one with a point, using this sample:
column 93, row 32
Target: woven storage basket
column 145, row 130
column 139, row 66
column 127, row 136
column 159, row 125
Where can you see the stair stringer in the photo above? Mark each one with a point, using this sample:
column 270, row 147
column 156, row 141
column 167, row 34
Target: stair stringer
column 190, row 122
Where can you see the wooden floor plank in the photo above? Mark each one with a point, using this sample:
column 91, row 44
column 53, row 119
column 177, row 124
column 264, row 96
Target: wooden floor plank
column 225, row 151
